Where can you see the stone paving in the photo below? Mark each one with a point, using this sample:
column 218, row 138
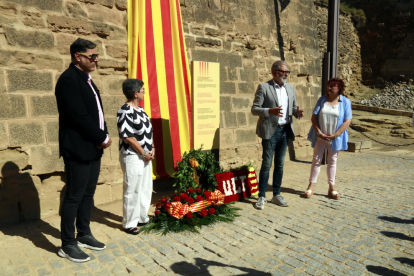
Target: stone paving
column 369, row 231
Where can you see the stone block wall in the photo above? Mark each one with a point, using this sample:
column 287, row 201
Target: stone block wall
column 349, row 48
column 35, row 37
column 244, row 36
column 385, row 39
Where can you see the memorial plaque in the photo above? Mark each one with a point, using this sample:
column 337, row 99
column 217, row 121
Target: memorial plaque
column 206, row 104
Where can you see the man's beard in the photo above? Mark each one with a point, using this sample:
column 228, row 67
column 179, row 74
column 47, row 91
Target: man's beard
column 282, row 80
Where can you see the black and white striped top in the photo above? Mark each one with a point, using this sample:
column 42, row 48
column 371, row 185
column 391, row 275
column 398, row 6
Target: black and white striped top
column 134, row 122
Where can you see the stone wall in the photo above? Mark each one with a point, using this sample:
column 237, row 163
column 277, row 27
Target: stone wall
column 34, row 50
column 399, row 64
column 386, row 39
column 245, row 36
column 349, row 57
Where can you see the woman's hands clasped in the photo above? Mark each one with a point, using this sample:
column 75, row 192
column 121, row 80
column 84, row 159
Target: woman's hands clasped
column 149, row 155
column 326, row 137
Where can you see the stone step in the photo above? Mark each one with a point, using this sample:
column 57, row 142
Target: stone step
column 359, row 145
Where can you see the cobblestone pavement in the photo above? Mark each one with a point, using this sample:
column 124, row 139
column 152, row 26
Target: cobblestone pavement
column 369, row 231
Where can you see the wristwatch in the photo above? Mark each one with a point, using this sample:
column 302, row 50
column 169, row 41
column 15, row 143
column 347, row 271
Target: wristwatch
column 143, row 155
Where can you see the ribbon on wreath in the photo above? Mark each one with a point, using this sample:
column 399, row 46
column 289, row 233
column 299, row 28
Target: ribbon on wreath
column 217, row 198
column 179, row 210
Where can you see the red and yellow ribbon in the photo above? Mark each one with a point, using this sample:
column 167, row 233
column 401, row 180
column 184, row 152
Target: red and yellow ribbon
column 217, row 198
column 252, row 179
column 179, row 210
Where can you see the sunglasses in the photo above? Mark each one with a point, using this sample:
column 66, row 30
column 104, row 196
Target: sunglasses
column 284, row 72
column 91, row 56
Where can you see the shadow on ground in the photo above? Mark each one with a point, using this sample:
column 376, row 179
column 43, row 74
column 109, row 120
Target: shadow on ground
column 201, row 268
column 397, row 235
column 404, row 260
column 107, row 218
column 35, row 232
column 20, row 208
column 397, row 220
column 379, row 270
column 302, row 161
column 291, row 191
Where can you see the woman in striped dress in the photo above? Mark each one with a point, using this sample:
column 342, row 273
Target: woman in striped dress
column 136, row 150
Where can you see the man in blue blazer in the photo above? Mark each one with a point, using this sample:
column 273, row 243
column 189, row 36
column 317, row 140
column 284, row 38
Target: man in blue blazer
column 275, row 104
column 82, row 137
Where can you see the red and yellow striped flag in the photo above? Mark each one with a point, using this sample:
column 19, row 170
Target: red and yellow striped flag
column 157, row 55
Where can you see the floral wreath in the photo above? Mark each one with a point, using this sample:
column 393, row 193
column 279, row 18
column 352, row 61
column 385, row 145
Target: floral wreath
column 196, row 201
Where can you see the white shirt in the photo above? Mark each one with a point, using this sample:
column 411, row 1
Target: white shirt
column 100, row 112
column 328, row 118
column 283, row 100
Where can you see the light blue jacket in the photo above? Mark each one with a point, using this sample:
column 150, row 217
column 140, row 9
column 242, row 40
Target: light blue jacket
column 345, row 113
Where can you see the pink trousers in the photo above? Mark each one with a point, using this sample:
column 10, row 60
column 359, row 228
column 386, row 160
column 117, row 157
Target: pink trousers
column 331, row 159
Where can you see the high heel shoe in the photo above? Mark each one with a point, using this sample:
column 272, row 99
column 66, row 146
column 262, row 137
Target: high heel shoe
column 308, row 194
column 333, row 195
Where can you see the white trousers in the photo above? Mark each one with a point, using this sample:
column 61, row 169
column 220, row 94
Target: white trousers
column 332, row 157
column 137, row 189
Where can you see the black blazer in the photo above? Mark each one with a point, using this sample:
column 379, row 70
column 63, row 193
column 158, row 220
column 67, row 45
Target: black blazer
column 79, row 132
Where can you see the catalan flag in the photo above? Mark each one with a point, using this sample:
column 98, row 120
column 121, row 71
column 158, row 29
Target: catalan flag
column 157, row 55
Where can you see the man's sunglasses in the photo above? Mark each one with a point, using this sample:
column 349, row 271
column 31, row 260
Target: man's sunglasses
column 284, row 72
column 90, row 57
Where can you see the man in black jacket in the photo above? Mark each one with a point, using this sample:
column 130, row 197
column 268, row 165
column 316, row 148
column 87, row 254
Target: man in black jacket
column 82, row 137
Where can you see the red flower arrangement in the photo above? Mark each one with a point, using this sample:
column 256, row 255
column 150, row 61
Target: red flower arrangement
column 190, row 207
column 200, row 198
column 203, row 213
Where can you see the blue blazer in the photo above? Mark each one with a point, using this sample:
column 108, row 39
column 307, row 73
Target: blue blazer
column 345, row 113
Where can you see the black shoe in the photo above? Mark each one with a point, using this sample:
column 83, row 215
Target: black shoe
column 132, row 231
column 74, row 253
column 88, row 241
column 142, row 223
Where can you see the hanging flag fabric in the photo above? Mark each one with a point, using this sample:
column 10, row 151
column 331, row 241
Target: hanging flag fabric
column 157, row 55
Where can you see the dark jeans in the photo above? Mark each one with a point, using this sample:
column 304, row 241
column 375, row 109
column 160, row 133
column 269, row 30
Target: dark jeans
column 81, row 179
column 277, row 144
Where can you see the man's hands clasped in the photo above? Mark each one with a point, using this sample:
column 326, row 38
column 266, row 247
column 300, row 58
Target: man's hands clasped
column 107, row 145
